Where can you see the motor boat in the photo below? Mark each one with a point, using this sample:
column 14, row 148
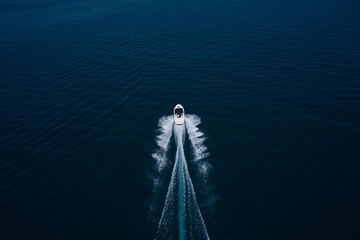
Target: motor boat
column 179, row 114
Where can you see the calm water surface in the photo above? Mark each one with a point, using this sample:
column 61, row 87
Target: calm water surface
column 83, row 84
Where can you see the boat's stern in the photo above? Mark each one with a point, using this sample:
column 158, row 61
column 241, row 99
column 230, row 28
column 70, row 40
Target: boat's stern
column 179, row 114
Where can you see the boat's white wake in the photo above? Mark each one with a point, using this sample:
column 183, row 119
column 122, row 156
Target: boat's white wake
column 197, row 139
column 181, row 217
column 163, row 140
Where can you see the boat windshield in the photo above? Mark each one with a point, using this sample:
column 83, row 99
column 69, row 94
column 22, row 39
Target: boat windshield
column 178, row 111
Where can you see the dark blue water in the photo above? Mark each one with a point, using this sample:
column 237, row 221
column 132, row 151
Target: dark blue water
column 83, row 84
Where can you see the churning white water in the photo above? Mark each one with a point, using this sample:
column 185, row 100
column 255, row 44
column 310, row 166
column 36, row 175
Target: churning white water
column 165, row 124
column 181, row 217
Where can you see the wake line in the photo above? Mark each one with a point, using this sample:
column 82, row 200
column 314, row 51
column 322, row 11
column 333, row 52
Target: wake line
column 166, row 128
column 180, row 156
column 181, row 217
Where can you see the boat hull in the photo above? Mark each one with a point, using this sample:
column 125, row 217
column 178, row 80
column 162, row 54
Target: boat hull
column 179, row 114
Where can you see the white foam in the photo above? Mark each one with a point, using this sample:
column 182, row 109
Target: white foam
column 196, row 137
column 181, row 193
column 163, row 139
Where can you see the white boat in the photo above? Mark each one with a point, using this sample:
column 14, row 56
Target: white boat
column 179, row 114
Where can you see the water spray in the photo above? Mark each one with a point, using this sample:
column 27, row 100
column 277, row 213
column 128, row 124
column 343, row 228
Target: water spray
column 181, row 216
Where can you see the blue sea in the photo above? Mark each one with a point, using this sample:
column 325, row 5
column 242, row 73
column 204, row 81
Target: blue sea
column 273, row 88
